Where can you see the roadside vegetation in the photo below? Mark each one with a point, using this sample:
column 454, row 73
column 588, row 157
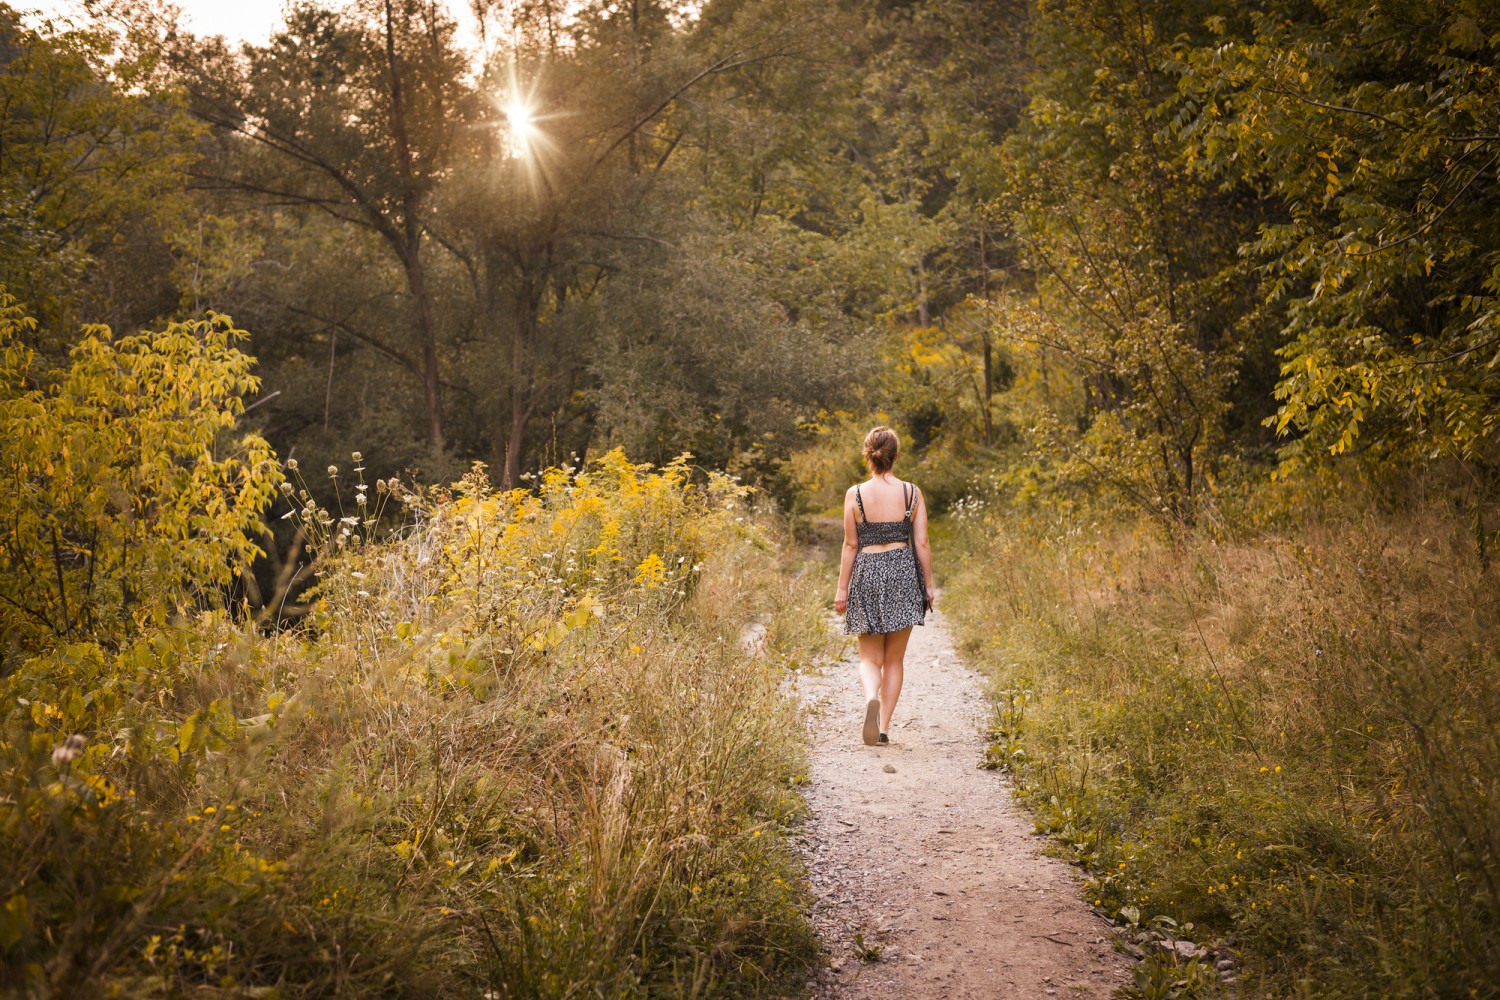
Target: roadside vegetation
column 1282, row 736
column 514, row 747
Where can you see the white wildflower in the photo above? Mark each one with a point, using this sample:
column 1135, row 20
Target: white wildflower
column 68, row 750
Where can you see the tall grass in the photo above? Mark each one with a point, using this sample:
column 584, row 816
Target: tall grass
column 1289, row 738
column 518, row 752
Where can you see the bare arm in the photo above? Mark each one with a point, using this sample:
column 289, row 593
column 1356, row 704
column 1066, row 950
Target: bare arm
column 923, row 547
column 846, row 560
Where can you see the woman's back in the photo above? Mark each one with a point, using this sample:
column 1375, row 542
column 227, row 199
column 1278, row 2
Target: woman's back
column 885, row 498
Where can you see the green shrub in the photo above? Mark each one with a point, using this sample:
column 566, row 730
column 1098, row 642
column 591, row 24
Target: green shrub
column 129, row 495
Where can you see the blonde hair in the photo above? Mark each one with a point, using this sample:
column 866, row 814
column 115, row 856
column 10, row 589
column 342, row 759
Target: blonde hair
column 881, row 448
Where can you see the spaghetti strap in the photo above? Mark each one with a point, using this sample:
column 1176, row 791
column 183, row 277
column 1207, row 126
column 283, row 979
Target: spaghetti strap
column 860, row 500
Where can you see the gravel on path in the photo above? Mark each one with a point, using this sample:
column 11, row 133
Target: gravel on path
column 929, row 880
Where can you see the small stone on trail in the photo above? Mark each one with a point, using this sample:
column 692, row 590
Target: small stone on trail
column 1184, row 949
column 889, row 769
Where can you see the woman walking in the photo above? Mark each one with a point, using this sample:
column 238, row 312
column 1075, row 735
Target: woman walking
column 885, row 577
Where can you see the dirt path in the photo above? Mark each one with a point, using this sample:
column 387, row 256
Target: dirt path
column 918, row 853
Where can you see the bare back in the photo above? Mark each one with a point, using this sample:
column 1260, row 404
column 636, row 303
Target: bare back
column 883, row 498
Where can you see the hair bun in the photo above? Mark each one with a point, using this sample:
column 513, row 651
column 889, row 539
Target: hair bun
column 881, row 448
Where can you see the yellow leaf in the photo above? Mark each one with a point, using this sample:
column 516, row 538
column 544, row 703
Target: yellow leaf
column 185, row 733
column 15, row 920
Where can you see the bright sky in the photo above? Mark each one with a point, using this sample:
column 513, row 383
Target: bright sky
column 236, row 20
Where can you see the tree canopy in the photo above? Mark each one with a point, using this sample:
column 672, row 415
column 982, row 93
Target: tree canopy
column 1116, row 247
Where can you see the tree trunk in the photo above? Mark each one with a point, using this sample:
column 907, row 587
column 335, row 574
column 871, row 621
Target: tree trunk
column 411, row 251
column 924, row 320
column 515, row 440
column 989, row 386
column 520, row 404
column 989, row 366
column 432, row 398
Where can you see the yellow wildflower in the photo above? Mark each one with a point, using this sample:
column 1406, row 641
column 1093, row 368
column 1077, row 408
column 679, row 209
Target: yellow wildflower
column 651, row 571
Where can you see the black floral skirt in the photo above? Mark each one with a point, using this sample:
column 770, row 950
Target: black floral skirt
column 884, row 595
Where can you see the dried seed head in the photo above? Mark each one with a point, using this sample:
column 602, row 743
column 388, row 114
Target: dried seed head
column 68, row 750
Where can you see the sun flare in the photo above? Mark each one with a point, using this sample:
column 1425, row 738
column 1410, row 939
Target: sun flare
column 521, row 119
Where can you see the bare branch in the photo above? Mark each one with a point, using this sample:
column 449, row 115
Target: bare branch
column 1338, row 107
column 1432, row 221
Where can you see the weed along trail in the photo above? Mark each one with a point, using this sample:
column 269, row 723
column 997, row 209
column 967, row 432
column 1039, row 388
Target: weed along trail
column 929, row 881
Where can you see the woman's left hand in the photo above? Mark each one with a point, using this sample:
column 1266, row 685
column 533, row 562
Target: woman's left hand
column 931, row 599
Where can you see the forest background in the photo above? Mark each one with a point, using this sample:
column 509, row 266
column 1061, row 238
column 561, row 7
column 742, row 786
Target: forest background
column 1188, row 313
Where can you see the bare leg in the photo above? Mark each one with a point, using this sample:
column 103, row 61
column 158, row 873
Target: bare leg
column 871, row 656
column 871, row 659
column 891, row 675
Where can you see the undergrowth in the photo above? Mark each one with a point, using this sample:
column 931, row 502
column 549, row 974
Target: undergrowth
column 1289, row 739
column 517, row 751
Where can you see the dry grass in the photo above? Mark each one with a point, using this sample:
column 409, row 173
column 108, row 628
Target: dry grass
column 519, row 752
column 1290, row 739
